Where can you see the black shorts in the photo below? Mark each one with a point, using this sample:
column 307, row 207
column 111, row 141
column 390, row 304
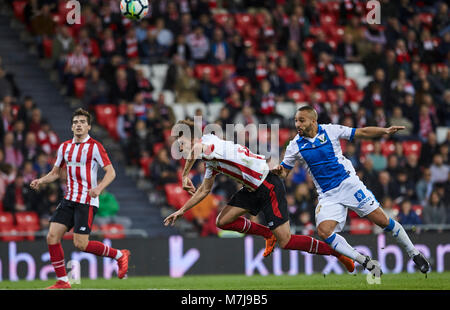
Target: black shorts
column 270, row 198
column 77, row 215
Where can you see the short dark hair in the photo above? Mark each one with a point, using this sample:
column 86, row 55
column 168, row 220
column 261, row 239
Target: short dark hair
column 191, row 126
column 82, row 112
column 309, row 109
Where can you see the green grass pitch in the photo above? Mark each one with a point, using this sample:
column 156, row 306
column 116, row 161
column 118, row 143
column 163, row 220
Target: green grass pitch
column 403, row 281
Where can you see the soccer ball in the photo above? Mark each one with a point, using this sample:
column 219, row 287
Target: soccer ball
column 134, row 9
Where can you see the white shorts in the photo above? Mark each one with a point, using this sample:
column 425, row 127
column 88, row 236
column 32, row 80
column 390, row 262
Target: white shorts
column 351, row 193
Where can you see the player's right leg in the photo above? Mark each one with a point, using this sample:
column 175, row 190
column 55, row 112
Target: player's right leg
column 54, row 236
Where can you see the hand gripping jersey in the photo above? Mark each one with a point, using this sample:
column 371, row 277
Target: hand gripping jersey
column 82, row 161
column 233, row 160
column 322, row 156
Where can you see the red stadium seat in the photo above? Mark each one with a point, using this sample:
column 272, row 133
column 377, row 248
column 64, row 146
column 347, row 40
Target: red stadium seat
column 157, row 147
column 359, row 226
column 222, row 67
column 252, row 32
column 387, row 147
column 145, row 163
column 320, row 95
column 240, row 81
column 355, row 95
column 201, row 69
column 331, row 95
column 28, row 220
column 284, row 136
column 13, row 234
column 48, row 47
column 327, row 20
column 297, row 96
column 259, row 19
column 243, row 19
column 177, row 197
column 412, row 147
column 418, row 209
column 367, row 147
column 79, row 85
column 113, row 231
column 18, row 8
column 122, row 109
column 6, row 220
column 221, row 18
column 336, row 33
column 104, row 113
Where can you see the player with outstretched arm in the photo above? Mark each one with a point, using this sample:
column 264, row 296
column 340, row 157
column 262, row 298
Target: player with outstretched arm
column 338, row 186
column 262, row 191
column 82, row 156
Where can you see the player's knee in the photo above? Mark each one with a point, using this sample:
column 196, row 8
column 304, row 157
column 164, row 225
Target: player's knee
column 80, row 244
column 324, row 232
column 52, row 238
column 220, row 222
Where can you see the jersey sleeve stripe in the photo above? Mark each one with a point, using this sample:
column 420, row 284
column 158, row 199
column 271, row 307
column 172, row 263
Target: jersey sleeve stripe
column 352, row 135
column 286, row 166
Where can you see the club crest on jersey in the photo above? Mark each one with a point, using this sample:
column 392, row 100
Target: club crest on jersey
column 322, row 138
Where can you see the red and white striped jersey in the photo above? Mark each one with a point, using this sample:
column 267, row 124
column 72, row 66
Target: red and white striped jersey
column 235, row 161
column 82, row 161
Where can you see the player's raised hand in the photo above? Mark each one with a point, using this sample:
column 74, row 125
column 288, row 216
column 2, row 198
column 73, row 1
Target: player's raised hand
column 188, row 186
column 393, row 129
column 171, row 219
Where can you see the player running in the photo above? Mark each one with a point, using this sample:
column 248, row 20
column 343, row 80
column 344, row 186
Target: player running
column 261, row 191
column 338, row 186
column 82, row 156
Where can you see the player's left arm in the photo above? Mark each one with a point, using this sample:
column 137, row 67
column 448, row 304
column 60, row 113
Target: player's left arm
column 376, row 132
column 110, row 175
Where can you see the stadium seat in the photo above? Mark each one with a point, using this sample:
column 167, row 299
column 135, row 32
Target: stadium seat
column 28, row 220
column 336, row 33
column 355, row 95
column 6, row 220
column 387, row 147
column 252, row 32
column 157, row 147
column 367, row 147
column 360, row 226
column 243, row 19
column 201, row 69
column 240, row 81
column 331, row 95
column 221, row 18
column 297, row 96
column 284, row 136
column 144, row 163
column 104, row 113
column 47, row 44
column 412, row 147
column 13, row 234
column 113, row 231
column 18, row 8
column 79, row 85
column 177, row 197
column 418, row 209
column 328, row 20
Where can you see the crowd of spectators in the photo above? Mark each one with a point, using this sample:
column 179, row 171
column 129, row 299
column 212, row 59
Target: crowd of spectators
column 289, row 45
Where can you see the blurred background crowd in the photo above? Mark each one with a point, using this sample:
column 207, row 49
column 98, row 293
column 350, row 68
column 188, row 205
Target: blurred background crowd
column 248, row 58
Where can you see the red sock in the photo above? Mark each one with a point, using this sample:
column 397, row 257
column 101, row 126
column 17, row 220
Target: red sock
column 57, row 259
column 310, row 245
column 100, row 249
column 244, row 225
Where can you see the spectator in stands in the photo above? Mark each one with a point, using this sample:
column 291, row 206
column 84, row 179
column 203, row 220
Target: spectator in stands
column 31, row 148
column 208, row 91
column 62, row 46
column 96, row 90
column 429, row 148
column 124, row 86
column 27, row 171
column 347, row 50
column 90, row 46
column 36, row 120
column 374, row 34
column 384, row 186
column 18, row 196
column 186, row 86
column 326, row 71
column 439, row 170
column 5, row 86
column 181, row 49
column 41, row 164
column 108, row 45
column 47, row 138
column 426, row 124
column 321, row 46
column 407, row 216
column 163, row 169
column 25, row 110
column 19, row 131
column 378, row 159
column 48, row 205
column 220, row 50
column 199, row 45
column 13, row 156
column 434, row 211
column 397, row 119
column 246, row 63
column 42, row 26
column 126, row 124
column 77, row 65
column 424, row 186
column 374, row 59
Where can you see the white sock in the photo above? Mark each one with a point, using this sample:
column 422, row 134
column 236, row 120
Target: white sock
column 65, row 279
column 401, row 237
column 339, row 244
column 118, row 255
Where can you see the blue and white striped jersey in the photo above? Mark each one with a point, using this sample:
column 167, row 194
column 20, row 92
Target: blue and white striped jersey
column 322, row 156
